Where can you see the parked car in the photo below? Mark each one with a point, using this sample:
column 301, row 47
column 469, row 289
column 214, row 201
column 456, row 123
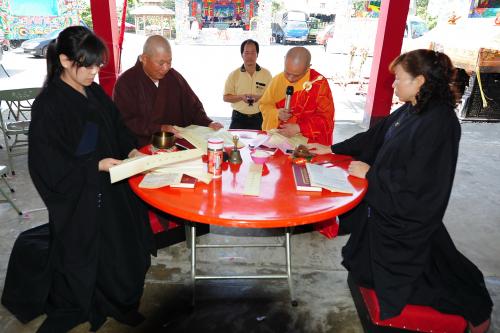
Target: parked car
column 38, row 46
column 293, row 24
column 314, row 28
column 295, row 32
column 324, row 34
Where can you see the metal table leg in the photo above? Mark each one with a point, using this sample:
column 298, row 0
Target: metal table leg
column 289, row 266
column 193, row 262
column 288, row 258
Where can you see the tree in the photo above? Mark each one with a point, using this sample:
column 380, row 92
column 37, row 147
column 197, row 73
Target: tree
column 422, row 13
column 276, row 6
column 85, row 14
column 170, row 4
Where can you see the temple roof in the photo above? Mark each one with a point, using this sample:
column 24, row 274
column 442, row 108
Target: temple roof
column 151, row 10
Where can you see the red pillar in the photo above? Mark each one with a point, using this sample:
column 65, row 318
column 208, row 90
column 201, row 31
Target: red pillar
column 391, row 27
column 106, row 27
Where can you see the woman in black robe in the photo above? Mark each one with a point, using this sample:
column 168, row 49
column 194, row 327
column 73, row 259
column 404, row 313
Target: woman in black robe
column 399, row 245
column 89, row 262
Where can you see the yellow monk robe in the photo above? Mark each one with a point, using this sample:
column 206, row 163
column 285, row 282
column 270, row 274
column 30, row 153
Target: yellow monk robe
column 312, row 106
column 313, row 111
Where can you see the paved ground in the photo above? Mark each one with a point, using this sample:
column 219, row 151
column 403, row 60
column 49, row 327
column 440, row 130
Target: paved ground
column 325, row 305
column 206, row 69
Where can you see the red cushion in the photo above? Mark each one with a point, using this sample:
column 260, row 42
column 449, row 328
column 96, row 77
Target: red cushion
column 156, row 226
column 414, row 317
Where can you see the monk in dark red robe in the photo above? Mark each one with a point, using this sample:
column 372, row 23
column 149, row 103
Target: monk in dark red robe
column 152, row 96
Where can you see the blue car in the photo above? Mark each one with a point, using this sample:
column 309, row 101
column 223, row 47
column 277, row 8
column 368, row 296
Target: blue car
column 38, row 46
column 295, row 32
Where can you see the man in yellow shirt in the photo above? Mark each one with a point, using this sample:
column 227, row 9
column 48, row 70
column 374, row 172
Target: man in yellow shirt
column 311, row 110
column 245, row 86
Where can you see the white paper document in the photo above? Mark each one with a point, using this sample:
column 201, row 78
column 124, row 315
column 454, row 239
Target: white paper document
column 133, row 166
column 157, row 180
column 277, row 140
column 333, row 179
column 252, row 182
column 194, row 165
column 199, row 135
column 260, row 139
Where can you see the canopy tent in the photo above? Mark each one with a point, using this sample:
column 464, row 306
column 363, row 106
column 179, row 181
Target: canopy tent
column 150, row 18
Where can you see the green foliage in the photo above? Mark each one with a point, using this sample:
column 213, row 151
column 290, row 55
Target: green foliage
column 85, row 14
column 359, row 6
column 276, row 6
column 170, row 4
column 422, row 13
column 128, row 18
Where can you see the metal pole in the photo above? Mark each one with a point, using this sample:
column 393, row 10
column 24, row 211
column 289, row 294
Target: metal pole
column 289, row 266
column 193, row 262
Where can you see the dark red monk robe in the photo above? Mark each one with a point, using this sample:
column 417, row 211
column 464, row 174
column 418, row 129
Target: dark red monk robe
column 145, row 107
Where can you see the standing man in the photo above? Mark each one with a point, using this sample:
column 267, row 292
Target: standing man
column 152, row 96
column 311, row 110
column 244, row 88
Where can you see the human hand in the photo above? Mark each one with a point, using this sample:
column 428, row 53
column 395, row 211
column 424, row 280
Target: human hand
column 319, row 148
column 107, row 163
column 358, row 169
column 215, row 125
column 249, row 99
column 135, row 153
column 289, row 130
column 284, row 115
column 171, row 129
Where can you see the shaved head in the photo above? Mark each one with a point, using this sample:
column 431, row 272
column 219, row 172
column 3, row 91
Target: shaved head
column 299, row 56
column 155, row 44
column 297, row 62
column 156, row 57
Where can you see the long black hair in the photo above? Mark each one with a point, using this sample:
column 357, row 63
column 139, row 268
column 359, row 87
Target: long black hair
column 80, row 45
column 438, row 71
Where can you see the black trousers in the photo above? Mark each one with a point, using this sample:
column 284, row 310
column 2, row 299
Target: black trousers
column 243, row 121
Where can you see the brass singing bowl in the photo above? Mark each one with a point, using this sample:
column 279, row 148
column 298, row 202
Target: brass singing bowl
column 163, row 140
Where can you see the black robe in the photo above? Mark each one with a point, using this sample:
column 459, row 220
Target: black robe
column 399, row 245
column 90, row 260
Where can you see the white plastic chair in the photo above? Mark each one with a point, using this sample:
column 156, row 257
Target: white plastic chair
column 7, row 198
column 15, row 130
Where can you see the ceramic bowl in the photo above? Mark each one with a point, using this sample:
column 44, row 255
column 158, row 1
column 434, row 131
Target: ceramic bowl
column 259, row 156
column 163, row 140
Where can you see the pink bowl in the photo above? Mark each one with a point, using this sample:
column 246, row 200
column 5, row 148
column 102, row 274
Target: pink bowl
column 259, row 156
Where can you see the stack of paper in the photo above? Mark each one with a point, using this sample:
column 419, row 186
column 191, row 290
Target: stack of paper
column 277, row 140
column 133, row 166
column 173, row 174
column 333, row 179
column 199, row 135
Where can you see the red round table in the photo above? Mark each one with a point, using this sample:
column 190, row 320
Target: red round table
column 279, row 204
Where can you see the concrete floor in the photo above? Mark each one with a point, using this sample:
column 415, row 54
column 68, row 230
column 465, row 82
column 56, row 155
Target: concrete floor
column 325, row 304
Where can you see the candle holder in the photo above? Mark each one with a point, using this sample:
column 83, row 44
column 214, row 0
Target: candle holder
column 234, row 155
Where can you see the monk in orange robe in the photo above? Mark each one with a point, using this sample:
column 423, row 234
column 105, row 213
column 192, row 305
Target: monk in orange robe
column 311, row 109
